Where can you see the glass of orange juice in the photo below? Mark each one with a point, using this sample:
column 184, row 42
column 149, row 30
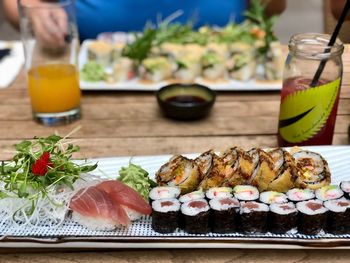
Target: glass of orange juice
column 51, row 45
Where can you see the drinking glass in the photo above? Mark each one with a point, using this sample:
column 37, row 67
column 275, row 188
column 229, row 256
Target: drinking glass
column 51, row 44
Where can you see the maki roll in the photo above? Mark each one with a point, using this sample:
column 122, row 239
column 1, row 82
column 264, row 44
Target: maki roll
column 101, row 52
column 123, row 70
column 218, row 192
column 205, row 163
column 224, row 214
column 217, row 174
column 213, row 66
column 246, row 193
column 196, row 216
column 312, row 217
column 345, row 187
column 192, row 196
column 271, row 197
column 253, row 217
column 241, row 66
column 329, row 192
column 263, row 171
column 181, row 172
column 283, row 218
column 240, row 166
column 312, row 169
column 188, row 68
column 298, row 195
column 338, row 216
column 284, row 167
column 165, row 215
column 156, row 69
column 162, row 192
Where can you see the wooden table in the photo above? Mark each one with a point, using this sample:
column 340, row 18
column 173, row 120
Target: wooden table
column 119, row 124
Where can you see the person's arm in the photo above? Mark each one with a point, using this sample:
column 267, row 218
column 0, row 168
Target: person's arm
column 337, row 7
column 49, row 24
column 11, row 12
column 274, row 7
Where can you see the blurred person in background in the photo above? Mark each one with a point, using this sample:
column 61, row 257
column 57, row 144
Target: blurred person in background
column 96, row 16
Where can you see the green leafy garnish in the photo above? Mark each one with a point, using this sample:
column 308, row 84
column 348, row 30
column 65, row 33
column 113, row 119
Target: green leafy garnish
column 137, row 178
column 40, row 165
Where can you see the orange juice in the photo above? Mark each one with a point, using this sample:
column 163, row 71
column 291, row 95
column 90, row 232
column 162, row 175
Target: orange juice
column 54, row 88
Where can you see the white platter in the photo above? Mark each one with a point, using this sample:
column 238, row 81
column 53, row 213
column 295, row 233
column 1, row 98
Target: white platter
column 136, row 85
column 140, row 235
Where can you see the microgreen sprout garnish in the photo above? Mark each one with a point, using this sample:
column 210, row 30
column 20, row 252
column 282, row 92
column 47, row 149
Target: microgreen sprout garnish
column 41, row 175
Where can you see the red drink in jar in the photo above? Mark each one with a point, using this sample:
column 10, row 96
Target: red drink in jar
column 321, row 128
column 308, row 114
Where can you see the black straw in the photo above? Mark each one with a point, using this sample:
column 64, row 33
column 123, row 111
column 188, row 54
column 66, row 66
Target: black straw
column 331, row 43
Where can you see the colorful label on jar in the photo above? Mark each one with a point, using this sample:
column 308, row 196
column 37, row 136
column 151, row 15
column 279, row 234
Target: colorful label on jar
column 304, row 112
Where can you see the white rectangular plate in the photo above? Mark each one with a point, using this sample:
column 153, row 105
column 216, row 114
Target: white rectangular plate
column 141, row 235
column 136, row 85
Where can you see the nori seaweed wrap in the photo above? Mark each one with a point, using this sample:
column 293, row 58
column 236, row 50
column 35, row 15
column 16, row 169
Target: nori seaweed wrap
column 196, row 216
column 224, row 214
column 312, row 217
column 282, row 218
column 165, row 215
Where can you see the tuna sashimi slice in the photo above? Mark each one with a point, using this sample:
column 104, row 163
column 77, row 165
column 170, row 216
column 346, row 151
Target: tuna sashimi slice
column 96, row 203
column 126, row 196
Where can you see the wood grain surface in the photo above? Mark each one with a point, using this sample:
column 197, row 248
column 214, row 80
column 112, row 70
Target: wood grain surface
column 130, row 123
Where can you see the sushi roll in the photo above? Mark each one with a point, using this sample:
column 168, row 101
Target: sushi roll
column 246, row 193
column 123, row 70
column 240, row 166
column 156, row 69
column 217, row 174
column 338, row 216
column 165, row 215
column 205, row 163
column 329, row 192
column 253, row 217
column 275, row 62
column 312, row 217
column 188, row 68
column 196, row 216
column 164, row 192
column 283, row 218
column 241, row 66
column 298, row 195
column 312, row 168
column 101, row 52
column 284, row 167
column 263, row 171
column 218, row 192
column 345, row 187
column 224, row 214
column 181, row 172
column 192, row 196
column 272, row 197
column 117, row 50
column 213, row 66
column 219, row 48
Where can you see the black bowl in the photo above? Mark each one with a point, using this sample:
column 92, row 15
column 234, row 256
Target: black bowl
column 185, row 101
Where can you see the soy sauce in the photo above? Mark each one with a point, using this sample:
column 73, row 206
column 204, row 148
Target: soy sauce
column 186, row 99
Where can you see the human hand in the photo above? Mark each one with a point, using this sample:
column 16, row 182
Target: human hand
column 49, row 25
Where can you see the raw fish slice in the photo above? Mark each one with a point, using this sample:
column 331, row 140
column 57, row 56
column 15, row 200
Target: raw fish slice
column 95, row 203
column 125, row 196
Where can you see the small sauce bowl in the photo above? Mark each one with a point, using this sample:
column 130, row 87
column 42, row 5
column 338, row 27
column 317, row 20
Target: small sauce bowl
column 185, row 101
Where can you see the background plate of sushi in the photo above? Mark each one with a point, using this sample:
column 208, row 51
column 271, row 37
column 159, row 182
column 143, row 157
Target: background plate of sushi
column 212, row 57
column 147, row 232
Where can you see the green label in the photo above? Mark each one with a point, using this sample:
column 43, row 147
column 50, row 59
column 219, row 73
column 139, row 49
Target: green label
column 305, row 112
